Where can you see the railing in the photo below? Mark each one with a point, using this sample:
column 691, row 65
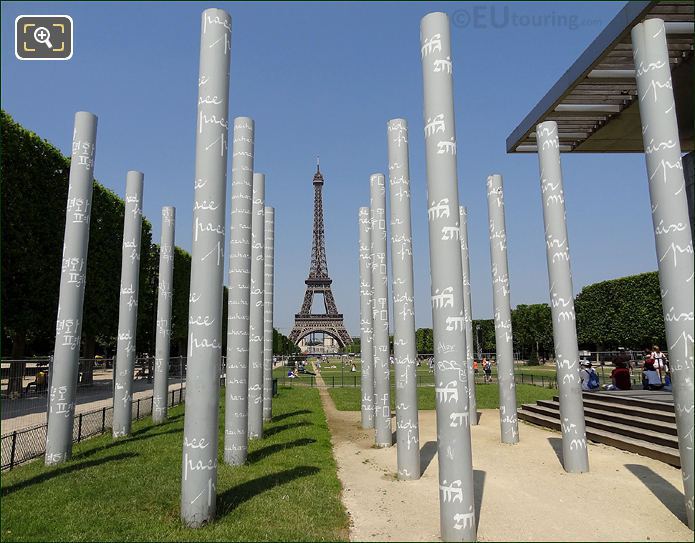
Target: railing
column 20, row 446
column 427, row 380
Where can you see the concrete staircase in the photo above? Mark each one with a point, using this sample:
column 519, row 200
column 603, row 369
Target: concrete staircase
column 635, row 421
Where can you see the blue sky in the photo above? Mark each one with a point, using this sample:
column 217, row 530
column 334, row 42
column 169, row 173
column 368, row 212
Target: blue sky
column 323, row 79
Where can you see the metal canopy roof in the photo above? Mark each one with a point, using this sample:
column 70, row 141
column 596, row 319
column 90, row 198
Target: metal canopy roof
column 595, row 102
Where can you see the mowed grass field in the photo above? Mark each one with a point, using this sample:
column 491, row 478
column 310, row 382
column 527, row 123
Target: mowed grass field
column 336, row 372
column 487, row 396
column 129, row 490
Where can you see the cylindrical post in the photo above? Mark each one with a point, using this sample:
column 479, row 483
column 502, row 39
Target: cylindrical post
column 674, row 242
column 456, row 492
column 366, row 347
column 468, row 315
column 574, row 452
column 255, row 392
column 128, row 306
column 237, row 388
column 380, row 325
column 164, row 298
column 268, row 263
column 64, row 369
column 509, row 424
column 199, row 470
column 404, row 345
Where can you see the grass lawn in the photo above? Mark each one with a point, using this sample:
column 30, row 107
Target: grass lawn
column 487, row 396
column 130, row 489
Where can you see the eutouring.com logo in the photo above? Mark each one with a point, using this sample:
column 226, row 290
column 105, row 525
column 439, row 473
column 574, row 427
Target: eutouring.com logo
column 498, row 17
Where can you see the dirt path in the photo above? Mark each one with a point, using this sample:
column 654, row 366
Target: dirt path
column 522, row 492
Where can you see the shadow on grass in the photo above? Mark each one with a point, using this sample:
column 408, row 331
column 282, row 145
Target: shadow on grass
column 124, row 441
column 666, row 493
column 153, row 426
column 284, row 416
column 52, row 473
column 427, row 453
column 277, row 429
column 556, row 444
column 479, row 489
column 259, row 454
column 230, row 499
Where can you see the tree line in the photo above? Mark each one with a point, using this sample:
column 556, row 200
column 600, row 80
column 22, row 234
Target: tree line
column 624, row 312
column 33, row 187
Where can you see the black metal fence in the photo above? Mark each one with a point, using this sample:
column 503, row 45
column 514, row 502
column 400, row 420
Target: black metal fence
column 20, row 446
column 427, row 380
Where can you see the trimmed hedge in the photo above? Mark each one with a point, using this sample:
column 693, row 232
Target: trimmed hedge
column 33, row 187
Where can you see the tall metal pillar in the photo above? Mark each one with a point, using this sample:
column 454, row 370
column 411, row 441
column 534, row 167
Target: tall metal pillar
column 674, row 243
column 456, row 492
column 128, row 306
column 164, row 298
column 575, row 456
column 269, row 281
column 404, row 344
column 366, row 317
column 256, row 308
column 66, row 354
column 468, row 315
column 382, row 377
column 237, row 374
column 509, row 424
column 199, row 470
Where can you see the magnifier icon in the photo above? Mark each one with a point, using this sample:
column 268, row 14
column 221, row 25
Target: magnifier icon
column 42, row 35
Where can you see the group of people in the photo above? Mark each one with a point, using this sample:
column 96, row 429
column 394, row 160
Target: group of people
column 655, row 372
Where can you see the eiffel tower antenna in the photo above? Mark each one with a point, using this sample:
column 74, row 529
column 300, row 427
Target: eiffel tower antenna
column 319, row 282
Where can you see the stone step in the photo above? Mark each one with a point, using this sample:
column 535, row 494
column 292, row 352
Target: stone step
column 596, row 402
column 638, row 402
column 638, row 419
column 667, row 455
column 656, row 437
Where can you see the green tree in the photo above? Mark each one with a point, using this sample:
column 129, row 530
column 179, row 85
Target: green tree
column 623, row 312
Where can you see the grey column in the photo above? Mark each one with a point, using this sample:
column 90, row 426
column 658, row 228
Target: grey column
column 237, row 388
column 269, row 280
column 468, row 316
column 674, row 243
column 256, row 308
column 366, row 317
column 164, row 298
column 574, row 453
column 404, row 345
column 199, row 470
column 66, row 355
column 456, row 492
column 509, row 425
column 380, row 324
column 128, row 306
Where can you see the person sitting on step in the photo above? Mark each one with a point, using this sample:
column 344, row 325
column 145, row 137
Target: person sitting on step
column 650, row 378
column 620, row 377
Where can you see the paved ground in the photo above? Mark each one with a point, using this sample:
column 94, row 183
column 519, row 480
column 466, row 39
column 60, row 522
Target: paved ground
column 28, row 412
column 522, row 492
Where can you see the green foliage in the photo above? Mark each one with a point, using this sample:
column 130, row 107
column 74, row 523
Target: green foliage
column 622, row 312
column 532, row 328
column 33, row 187
column 282, row 344
column 355, row 346
column 424, row 340
column 486, row 336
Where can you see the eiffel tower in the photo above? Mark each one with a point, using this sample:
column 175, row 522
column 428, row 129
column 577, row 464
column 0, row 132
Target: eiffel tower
column 330, row 322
